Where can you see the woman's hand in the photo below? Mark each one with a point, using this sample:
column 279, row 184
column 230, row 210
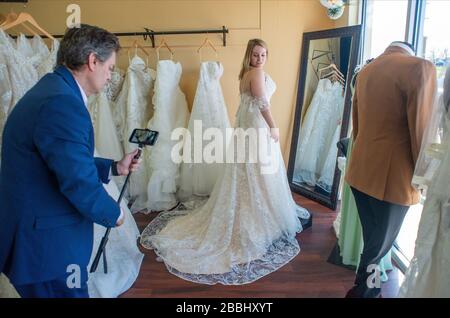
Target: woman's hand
column 275, row 134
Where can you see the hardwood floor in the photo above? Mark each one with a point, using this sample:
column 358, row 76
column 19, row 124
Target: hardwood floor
column 308, row 275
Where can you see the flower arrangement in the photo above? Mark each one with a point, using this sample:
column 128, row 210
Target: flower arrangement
column 335, row 8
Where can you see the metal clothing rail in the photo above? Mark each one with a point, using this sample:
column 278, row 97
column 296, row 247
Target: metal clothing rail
column 151, row 34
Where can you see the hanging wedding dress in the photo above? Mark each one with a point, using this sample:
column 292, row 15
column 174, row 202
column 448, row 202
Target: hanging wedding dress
column 428, row 273
column 209, row 111
column 22, row 74
column 38, row 54
column 170, row 112
column 17, row 76
column 134, row 110
column 247, row 227
column 39, row 47
column 5, row 93
column 123, row 256
column 48, row 63
column 327, row 172
column 23, row 45
column 106, row 139
column 317, row 139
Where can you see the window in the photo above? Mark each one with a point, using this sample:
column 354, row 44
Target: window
column 386, row 22
column 434, row 40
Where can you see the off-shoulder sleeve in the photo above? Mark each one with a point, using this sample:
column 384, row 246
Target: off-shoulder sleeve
column 261, row 102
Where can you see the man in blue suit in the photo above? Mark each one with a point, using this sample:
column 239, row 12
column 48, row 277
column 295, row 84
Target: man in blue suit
column 51, row 188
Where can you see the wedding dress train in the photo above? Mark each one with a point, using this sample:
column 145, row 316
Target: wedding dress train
column 247, row 227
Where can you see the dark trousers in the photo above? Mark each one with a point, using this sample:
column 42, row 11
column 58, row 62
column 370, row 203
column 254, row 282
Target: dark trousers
column 381, row 222
column 57, row 288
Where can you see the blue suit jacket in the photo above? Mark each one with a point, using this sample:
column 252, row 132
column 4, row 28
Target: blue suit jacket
column 51, row 188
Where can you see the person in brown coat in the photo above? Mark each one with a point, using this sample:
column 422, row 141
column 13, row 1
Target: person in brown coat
column 391, row 108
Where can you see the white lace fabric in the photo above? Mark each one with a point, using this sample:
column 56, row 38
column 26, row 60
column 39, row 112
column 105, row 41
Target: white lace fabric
column 170, row 112
column 18, row 75
column 47, row 63
column 427, row 275
column 198, row 179
column 244, row 231
column 133, row 109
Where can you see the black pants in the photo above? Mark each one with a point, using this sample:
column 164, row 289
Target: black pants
column 381, row 222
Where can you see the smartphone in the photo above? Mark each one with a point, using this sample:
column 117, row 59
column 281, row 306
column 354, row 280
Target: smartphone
column 145, row 137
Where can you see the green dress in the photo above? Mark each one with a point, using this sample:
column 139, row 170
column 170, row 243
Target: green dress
column 350, row 238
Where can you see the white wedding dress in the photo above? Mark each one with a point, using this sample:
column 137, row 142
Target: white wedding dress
column 123, row 256
column 170, row 112
column 428, row 273
column 106, row 138
column 209, row 111
column 48, row 62
column 133, row 107
column 316, row 153
column 18, row 75
column 247, row 227
column 327, row 172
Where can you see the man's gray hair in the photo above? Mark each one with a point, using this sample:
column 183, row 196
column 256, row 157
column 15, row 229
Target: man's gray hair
column 78, row 43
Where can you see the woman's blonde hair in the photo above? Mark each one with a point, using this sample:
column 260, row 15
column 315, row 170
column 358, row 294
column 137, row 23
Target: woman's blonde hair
column 248, row 53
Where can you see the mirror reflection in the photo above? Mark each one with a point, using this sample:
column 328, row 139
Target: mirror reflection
column 323, row 107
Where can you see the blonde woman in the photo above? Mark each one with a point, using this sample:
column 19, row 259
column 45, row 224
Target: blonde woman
column 247, row 227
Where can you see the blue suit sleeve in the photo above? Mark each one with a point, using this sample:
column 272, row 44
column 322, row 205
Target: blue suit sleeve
column 103, row 168
column 63, row 138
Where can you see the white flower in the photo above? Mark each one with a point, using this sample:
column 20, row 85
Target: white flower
column 332, row 3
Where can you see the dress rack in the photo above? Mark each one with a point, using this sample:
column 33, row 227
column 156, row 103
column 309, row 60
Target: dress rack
column 150, row 34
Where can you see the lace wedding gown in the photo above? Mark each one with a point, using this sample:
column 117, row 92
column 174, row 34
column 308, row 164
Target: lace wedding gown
column 105, row 131
column 247, row 227
column 48, row 63
column 428, row 273
column 17, row 76
column 170, row 112
column 123, row 256
column 209, row 111
column 319, row 135
column 134, row 110
column 328, row 168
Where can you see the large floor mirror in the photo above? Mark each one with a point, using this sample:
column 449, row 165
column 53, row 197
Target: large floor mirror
column 322, row 113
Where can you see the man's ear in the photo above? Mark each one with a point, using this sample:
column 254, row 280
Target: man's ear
column 92, row 61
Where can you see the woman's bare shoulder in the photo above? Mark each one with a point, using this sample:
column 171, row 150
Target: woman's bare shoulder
column 255, row 74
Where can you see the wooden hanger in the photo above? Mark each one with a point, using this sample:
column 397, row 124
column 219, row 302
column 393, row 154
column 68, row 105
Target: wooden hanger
column 334, row 77
column 11, row 17
column 333, row 73
column 136, row 45
column 207, row 41
column 163, row 43
column 26, row 17
column 333, row 67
